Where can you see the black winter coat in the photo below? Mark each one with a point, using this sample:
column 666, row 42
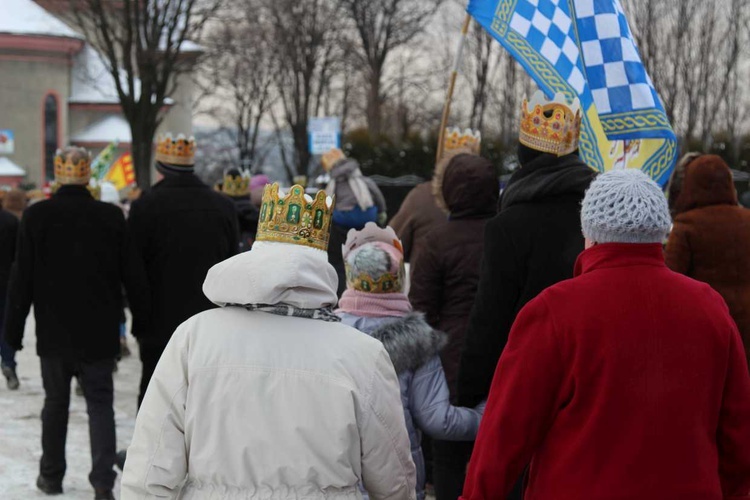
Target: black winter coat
column 8, row 236
column 247, row 220
column 180, row 229
column 71, row 263
column 530, row 245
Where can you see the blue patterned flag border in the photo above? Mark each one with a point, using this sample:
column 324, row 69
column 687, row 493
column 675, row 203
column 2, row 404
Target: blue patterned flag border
column 584, row 49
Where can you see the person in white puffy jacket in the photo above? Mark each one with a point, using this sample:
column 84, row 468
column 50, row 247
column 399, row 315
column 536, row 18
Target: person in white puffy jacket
column 269, row 397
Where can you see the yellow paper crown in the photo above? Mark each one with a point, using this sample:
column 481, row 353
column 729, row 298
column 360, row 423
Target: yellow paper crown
column 550, row 126
column 387, row 282
column 176, row 151
column 455, row 140
column 72, row 166
column 296, row 218
column 236, row 185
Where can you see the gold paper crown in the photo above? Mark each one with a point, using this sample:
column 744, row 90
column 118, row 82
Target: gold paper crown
column 372, row 234
column 296, row 218
column 455, row 140
column 550, row 126
column 72, row 166
column 236, row 185
column 386, row 283
column 177, row 151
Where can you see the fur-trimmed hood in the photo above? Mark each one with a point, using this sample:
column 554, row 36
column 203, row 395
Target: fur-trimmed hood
column 410, row 341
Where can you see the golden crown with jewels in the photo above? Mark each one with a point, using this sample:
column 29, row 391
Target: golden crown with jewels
column 236, row 185
column 456, row 141
column 176, row 151
column 550, row 126
column 296, row 217
column 72, row 166
column 388, row 282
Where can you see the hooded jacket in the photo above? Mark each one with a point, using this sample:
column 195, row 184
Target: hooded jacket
column 413, row 347
column 531, row 244
column 252, row 405
column 445, row 274
column 711, row 237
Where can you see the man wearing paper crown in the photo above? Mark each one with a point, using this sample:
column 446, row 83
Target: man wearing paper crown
column 270, row 396
column 72, row 261
column 236, row 185
column 181, row 228
column 534, row 240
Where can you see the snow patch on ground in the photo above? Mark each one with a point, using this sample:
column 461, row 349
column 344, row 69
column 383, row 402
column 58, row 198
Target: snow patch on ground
column 21, row 427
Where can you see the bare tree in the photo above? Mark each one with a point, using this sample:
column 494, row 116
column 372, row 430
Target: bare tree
column 239, row 72
column 308, row 44
column 143, row 44
column 383, row 26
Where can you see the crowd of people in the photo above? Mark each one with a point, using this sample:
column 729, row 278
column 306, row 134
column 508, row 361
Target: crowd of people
column 573, row 335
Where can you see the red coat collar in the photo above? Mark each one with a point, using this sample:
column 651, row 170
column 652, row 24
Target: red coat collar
column 609, row 255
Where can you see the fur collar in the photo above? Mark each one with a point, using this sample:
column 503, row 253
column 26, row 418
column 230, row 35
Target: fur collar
column 410, row 341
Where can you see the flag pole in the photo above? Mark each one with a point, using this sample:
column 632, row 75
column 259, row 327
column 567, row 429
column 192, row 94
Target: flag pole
column 452, row 86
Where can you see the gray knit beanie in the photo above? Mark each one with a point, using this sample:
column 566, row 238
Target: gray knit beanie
column 625, row 206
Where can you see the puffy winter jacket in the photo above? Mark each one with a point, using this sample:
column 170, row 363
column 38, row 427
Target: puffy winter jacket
column 413, row 347
column 252, row 405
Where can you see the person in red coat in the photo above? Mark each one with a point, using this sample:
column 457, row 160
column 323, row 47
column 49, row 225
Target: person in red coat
column 628, row 381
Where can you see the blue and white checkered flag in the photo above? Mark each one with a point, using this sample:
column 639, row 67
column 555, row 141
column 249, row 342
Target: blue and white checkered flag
column 585, row 49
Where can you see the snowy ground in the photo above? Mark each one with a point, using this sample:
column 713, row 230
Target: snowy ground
column 20, row 427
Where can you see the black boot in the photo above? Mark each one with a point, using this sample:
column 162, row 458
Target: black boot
column 104, row 495
column 11, row 377
column 49, row 486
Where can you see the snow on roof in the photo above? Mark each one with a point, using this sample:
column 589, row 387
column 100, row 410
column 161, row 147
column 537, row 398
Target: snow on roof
column 10, row 169
column 25, row 17
column 109, row 129
column 92, row 81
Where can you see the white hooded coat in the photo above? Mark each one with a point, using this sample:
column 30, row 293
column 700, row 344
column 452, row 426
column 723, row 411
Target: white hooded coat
column 248, row 404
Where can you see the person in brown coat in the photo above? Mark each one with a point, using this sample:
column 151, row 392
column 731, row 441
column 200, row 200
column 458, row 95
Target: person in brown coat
column 710, row 241
column 416, row 217
column 445, row 278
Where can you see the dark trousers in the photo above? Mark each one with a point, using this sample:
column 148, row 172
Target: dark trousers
column 150, row 354
column 449, row 459
column 98, row 389
column 7, row 353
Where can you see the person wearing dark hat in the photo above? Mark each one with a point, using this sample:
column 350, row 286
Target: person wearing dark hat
column 627, row 381
column 72, row 260
column 236, row 185
column 181, row 227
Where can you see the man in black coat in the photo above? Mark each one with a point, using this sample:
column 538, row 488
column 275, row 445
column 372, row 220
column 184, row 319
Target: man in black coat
column 71, row 263
column 8, row 235
column 181, row 228
column 531, row 244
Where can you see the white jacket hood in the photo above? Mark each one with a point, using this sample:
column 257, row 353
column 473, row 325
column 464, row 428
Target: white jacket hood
column 274, row 273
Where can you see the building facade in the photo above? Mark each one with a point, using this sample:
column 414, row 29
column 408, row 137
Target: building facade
column 55, row 90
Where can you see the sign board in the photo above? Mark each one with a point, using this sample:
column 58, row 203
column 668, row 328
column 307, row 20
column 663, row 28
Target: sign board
column 7, row 142
column 324, row 134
